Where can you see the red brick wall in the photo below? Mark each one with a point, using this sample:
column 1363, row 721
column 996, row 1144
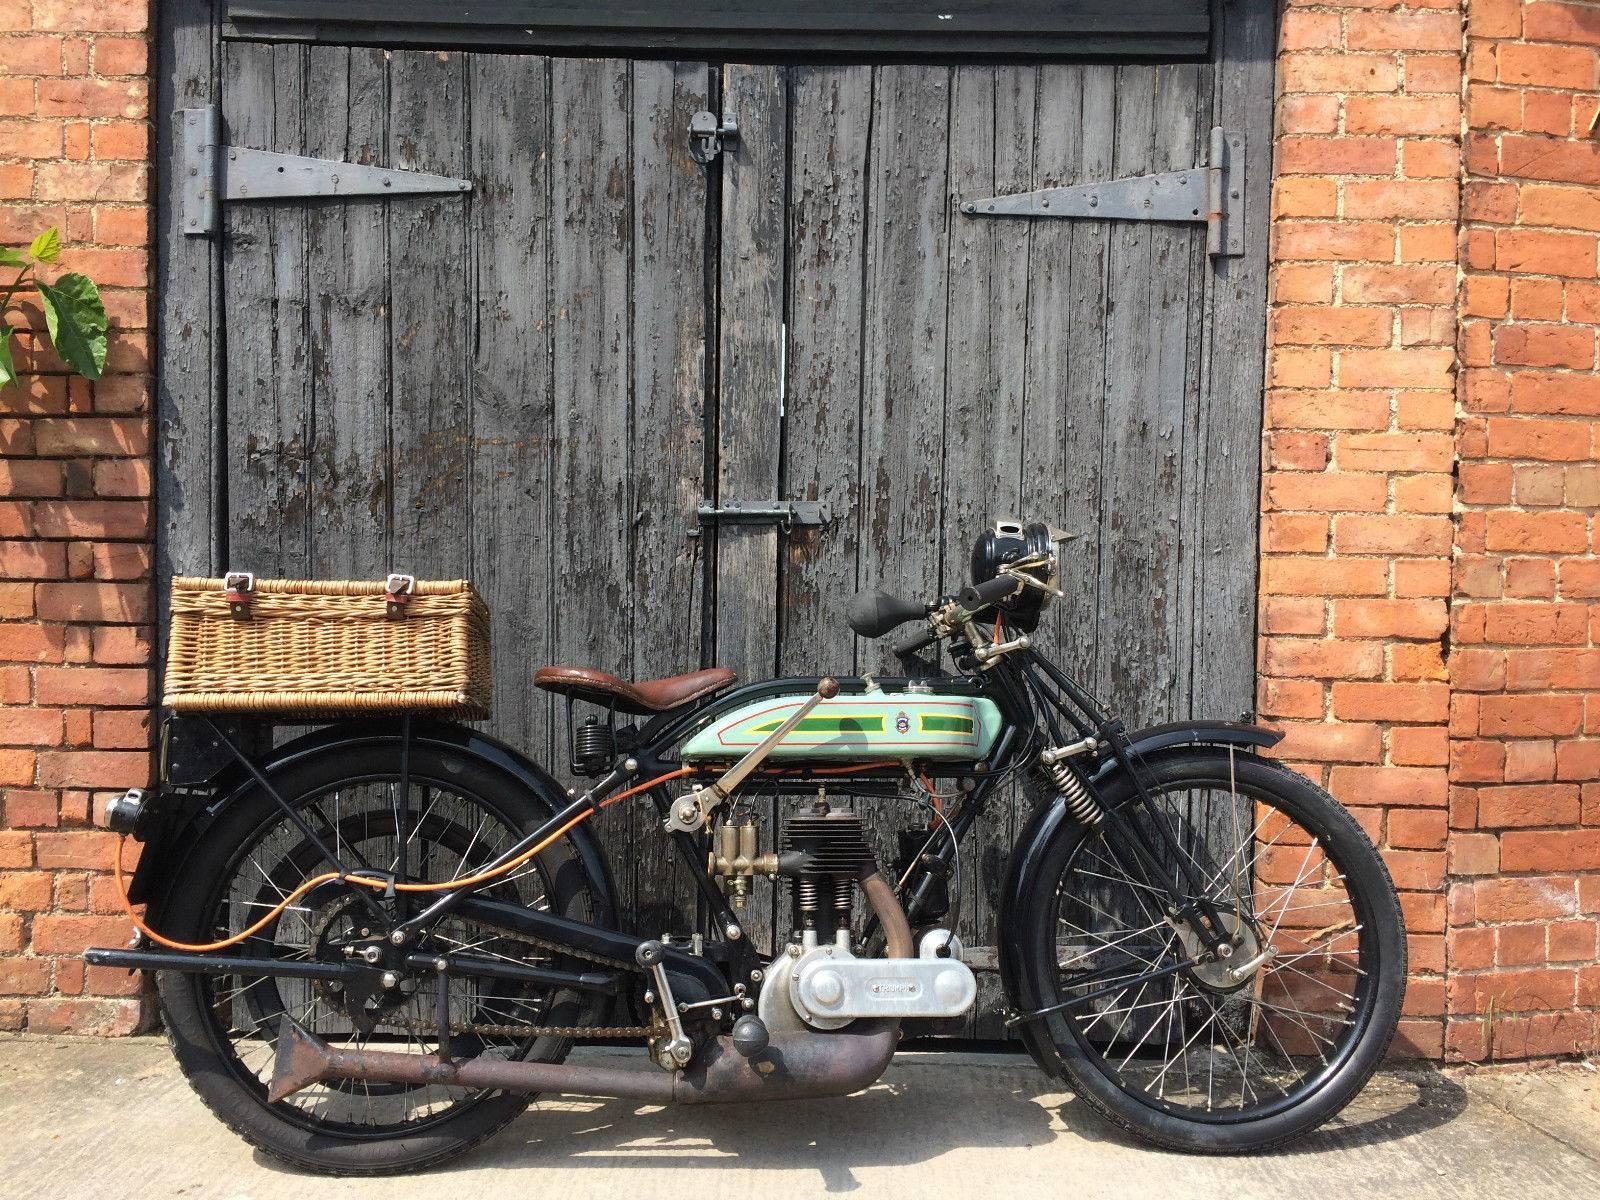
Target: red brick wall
column 1360, row 415
column 1525, row 630
column 75, row 509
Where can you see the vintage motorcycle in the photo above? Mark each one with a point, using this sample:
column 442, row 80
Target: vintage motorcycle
column 376, row 941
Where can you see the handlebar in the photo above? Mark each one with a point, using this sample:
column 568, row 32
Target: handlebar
column 981, row 595
column 912, row 640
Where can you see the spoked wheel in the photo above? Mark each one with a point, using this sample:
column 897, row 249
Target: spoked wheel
column 457, row 818
column 1276, row 1031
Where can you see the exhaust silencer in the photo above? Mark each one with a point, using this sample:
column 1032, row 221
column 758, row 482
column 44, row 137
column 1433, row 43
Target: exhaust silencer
column 794, row 1066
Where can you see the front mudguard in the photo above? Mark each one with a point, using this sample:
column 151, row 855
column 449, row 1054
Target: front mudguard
column 186, row 814
column 1024, row 876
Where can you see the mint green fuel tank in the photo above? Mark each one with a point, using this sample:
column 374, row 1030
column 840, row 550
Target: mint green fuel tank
column 878, row 724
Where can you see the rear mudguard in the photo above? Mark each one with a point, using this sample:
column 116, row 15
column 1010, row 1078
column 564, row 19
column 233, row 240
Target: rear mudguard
column 1051, row 821
column 186, row 817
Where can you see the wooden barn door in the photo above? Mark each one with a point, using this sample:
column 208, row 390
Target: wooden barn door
column 922, row 371
column 503, row 383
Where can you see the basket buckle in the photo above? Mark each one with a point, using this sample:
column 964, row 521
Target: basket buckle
column 397, row 592
column 238, row 587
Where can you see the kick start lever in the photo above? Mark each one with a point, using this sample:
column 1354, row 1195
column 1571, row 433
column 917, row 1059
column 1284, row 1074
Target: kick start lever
column 690, row 813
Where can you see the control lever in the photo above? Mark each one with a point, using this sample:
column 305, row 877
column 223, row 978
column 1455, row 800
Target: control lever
column 690, row 813
column 679, row 1049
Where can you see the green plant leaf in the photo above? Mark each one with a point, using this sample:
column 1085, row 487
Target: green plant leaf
column 46, row 247
column 77, row 322
column 8, row 370
column 11, row 258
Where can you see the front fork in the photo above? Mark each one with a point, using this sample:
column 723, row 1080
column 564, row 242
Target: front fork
column 1188, row 904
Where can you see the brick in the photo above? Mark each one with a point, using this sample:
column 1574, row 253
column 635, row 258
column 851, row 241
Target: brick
column 1390, row 786
column 1403, row 116
column 1544, row 346
column 116, row 602
column 1391, row 535
column 1394, row 452
column 1322, row 577
column 1554, row 532
column 1547, row 66
column 1323, row 326
column 79, row 850
column 1526, row 804
column 1403, row 31
column 1398, row 285
column 1331, row 742
column 93, row 768
column 1396, row 368
column 1409, row 702
column 1344, row 492
column 1543, row 253
column 1338, row 73
column 1530, row 716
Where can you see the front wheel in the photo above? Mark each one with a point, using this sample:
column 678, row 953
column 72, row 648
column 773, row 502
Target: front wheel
column 1248, row 1045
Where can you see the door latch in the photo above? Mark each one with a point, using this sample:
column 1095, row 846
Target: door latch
column 786, row 514
column 709, row 137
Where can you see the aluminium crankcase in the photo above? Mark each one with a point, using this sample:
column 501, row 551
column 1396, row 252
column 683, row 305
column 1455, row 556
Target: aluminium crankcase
column 829, row 986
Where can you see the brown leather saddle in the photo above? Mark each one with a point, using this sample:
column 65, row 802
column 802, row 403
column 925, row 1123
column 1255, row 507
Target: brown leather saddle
column 644, row 696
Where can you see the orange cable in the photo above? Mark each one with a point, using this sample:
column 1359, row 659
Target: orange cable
column 379, row 884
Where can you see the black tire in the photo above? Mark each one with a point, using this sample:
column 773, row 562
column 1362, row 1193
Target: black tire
column 1093, row 1058
column 212, row 1061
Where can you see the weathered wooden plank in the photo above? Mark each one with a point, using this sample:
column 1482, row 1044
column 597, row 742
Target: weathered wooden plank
column 188, row 383
column 1140, row 461
column 1065, row 388
column 1232, row 371
column 903, row 429
column 668, row 393
column 591, row 213
column 347, row 269
column 831, row 122
column 750, row 353
column 429, row 422
column 265, row 310
column 991, row 151
column 508, row 475
column 903, row 425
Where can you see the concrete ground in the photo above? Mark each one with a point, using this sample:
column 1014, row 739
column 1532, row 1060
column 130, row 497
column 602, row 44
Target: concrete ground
column 86, row 1118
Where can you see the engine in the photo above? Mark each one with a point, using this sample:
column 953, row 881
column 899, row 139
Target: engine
column 818, row 982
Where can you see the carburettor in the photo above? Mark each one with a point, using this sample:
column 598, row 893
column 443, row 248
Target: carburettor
column 734, row 860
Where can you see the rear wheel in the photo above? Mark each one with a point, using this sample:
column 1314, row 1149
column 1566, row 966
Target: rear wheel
column 458, row 816
column 1234, row 1051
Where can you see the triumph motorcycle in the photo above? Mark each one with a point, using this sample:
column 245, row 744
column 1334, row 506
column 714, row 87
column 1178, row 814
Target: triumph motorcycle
column 376, row 941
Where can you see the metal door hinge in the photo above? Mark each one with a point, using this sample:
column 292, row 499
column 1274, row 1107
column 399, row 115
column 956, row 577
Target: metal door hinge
column 786, row 514
column 709, row 137
column 1212, row 194
column 213, row 173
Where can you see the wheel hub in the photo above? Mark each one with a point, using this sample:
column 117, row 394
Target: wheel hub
column 368, row 995
column 1236, row 960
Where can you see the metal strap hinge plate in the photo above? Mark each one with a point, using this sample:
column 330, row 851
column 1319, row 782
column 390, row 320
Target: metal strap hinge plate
column 1212, row 195
column 213, row 173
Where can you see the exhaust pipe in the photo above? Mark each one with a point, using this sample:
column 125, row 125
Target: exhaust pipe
column 793, row 1066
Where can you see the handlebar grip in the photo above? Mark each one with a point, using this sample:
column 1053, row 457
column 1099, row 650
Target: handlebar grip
column 982, row 595
column 913, row 640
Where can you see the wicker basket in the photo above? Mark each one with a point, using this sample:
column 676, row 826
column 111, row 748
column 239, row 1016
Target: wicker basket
column 319, row 648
